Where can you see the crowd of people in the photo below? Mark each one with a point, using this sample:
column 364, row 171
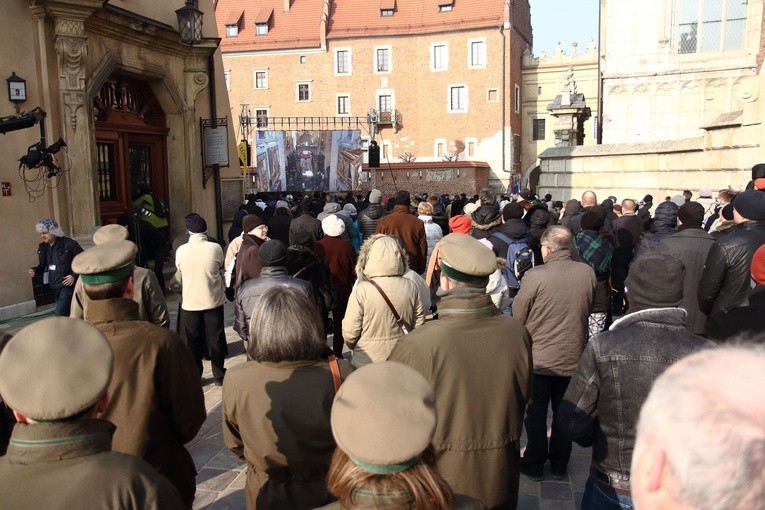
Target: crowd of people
column 456, row 323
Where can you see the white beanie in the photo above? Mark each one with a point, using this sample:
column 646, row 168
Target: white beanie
column 333, row 226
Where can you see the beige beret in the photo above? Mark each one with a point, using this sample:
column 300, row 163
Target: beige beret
column 55, row 368
column 106, row 263
column 111, row 232
column 465, row 259
column 384, row 416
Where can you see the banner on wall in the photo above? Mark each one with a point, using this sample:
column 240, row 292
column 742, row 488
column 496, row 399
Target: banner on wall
column 309, row 160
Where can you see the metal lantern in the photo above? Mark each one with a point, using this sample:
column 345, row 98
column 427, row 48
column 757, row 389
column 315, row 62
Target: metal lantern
column 190, row 22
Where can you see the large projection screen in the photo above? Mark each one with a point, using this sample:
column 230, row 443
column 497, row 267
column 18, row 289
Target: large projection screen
column 308, row 160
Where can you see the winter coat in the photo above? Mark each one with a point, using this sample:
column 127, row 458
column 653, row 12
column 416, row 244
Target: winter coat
column 340, row 256
column 514, row 228
column 71, row 465
column 664, row 224
column 479, row 363
column 627, row 230
column 554, row 303
column 744, row 320
column 200, row 272
column 247, row 261
column 691, row 246
column 279, row 227
column 155, row 395
column 485, row 221
column 303, row 263
column 236, row 224
column 410, row 231
column 725, row 279
column 369, row 218
column 276, row 418
column 249, row 293
column 369, row 327
column 611, row 382
column 305, row 230
column 57, row 260
column 433, row 233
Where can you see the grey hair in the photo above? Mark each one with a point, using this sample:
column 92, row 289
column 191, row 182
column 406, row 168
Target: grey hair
column 286, row 326
column 714, row 443
column 425, row 208
column 556, row 238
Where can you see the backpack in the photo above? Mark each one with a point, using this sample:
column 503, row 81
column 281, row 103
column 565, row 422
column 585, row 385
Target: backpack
column 160, row 208
column 520, row 258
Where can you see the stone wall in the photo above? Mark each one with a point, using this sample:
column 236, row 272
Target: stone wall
column 434, row 178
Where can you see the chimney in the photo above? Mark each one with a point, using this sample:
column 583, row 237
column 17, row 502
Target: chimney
column 286, row 5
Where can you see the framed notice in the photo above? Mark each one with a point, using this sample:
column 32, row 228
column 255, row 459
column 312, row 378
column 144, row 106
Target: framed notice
column 215, row 142
column 231, row 197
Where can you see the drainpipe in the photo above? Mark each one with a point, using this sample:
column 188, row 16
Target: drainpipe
column 504, row 100
column 216, row 167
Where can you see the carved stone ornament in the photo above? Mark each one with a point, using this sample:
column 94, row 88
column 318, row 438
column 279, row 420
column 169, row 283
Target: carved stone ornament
column 71, row 47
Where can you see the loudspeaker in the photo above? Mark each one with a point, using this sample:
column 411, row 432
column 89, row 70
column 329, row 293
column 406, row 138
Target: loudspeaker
column 374, row 155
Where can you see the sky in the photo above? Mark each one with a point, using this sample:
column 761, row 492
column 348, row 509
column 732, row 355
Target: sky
column 565, row 21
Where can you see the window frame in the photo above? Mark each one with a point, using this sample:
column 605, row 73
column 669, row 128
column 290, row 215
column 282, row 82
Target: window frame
column 517, row 98
column 261, row 29
column 232, row 28
column 444, row 58
column 347, row 97
column 485, row 54
column 349, row 64
column 255, row 73
column 449, row 98
column 376, row 61
column 298, row 84
column 535, row 135
column 258, row 117
column 702, row 25
column 442, row 143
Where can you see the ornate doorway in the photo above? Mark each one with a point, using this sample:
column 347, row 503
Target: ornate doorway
column 131, row 145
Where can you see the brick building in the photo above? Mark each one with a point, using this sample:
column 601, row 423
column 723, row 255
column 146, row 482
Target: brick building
column 443, row 77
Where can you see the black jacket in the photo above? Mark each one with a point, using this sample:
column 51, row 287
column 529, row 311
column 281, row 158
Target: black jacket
column 725, row 280
column 744, row 320
column 663, row 224
column 369, row 218
column 57, row 260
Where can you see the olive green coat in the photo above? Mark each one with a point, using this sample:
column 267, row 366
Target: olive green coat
column 479, row 363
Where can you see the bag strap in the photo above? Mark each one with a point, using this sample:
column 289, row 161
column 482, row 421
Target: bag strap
column 335, row 369
column 401, row 322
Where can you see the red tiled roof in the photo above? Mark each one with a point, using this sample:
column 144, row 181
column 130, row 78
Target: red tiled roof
column 349, row 18
column 387, row 4
column 263, row 16
column 298, row 28
column 234, row 17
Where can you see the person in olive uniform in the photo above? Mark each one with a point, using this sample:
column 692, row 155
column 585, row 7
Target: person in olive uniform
column 60, row 452
column 156, row 395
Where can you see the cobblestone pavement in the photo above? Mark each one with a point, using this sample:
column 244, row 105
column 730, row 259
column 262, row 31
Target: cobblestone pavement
column 220, row 482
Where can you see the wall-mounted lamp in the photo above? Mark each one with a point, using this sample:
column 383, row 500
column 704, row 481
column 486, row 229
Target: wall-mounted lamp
column 17, row 88
column 190, row 22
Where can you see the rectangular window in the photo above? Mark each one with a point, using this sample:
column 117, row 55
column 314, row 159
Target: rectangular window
column 261, row 119
column 261, row 80
column 537, row 129
column 385, row 102
column 439, row 148
column 517, row 99
column 477, row 53
column 470, row 148
column 492, row 95
column 261, row 29
column 227, row 77
column 382, row 60
column 445, row 8
column 303, row 91
column 711, row 25
column 386, row 12
column 343, row 62
column 439, row 57
column 516, row 148
column 458, row 98
column 232, row 30
column 385, row 151
column 343, row 105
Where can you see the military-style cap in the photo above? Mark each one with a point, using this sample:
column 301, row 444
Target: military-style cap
column 111, row 232
column 466, row 260
column 384, row 416
column 106, row 263
column 55, row 368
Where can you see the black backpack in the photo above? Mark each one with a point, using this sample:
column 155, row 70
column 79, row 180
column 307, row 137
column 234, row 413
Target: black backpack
column 520, row 258
column 160, row 208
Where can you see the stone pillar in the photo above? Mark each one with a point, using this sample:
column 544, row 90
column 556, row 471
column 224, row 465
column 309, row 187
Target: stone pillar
column 570, row 111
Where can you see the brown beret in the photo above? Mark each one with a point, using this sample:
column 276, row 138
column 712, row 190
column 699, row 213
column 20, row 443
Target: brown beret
column 55, row 368
column 464, row 259
column 106, row 263
column 250, row 221
column 384, row 416
column 111, row 232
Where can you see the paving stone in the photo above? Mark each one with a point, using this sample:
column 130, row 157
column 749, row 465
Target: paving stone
column 215, row 479
column 556, row 505
column 557, row 491
column 202, row 453
column 230, row 500
column 225, row 460
column 203, row 499
column 528, row 502
column 240, row 480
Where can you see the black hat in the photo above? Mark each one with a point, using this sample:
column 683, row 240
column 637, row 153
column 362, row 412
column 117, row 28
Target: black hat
column 251, row 221
column 195, row 223
column 655, row 281
column 648, row 198
column 512, row 210
column 402, row 198
column 750, row 204
column 591, row 220
column 691, row 214
column 272, row 253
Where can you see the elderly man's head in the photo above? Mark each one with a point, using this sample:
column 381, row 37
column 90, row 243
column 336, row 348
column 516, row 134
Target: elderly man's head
column 589, row 198
column 701, row 435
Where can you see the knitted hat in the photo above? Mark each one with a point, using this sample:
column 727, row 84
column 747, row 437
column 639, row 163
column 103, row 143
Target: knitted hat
column 49, row 226
column 350, row 209
column 460, row 224
column 251, row 221
column 402, row 198
column 282, row 204
column 705, row 193
column 655, row 281
column 591, row 220
column 272, row 253
column 758, row 265
column 760, row 184
column 333, row 226
column 55, row 368
column 331, row 207
column 384, row 417
column 375, row 196
column 512, row 210
column 195, row 223
column 648, row 198
column 691, row 214
column 305, row 205
column 750, row 204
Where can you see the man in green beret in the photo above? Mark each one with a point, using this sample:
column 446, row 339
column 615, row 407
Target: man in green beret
column 60, row 451
column 479, row 363
column 157, row 402
column 148, row 294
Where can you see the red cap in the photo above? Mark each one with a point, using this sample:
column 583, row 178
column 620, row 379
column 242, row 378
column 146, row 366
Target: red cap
column 460, row 224
column 758, row 265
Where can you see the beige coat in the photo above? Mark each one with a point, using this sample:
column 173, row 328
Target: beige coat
column 276, row 417
column 152, row 306
column 554, row 304
column 369, row 327
column 200, row 273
